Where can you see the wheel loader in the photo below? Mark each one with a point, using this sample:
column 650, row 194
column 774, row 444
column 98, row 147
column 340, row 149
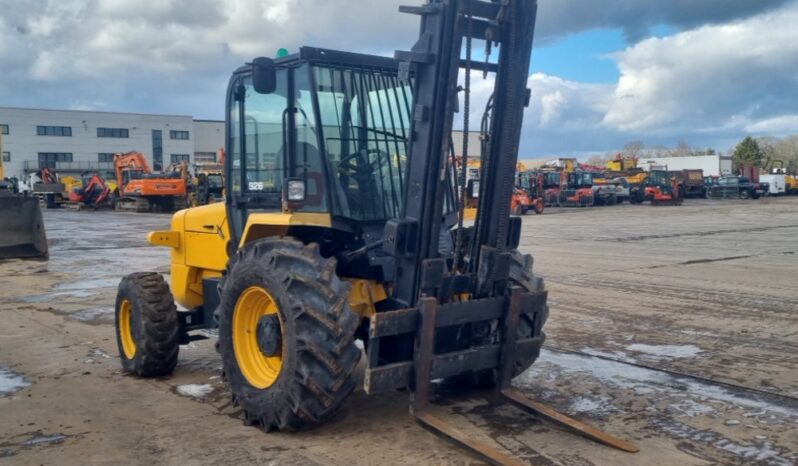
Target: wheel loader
column 22, row 232
column 343, row 221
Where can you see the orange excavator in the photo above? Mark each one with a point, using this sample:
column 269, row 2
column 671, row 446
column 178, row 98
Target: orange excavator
column 141, row 190
column 94, row 193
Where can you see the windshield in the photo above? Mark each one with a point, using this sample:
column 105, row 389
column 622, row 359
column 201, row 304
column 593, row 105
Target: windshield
column 660, row 177
column 583, row 179
column 343, row 130
column 364, row 120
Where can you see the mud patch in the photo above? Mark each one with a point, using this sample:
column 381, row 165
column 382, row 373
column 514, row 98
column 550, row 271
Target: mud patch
column 94, row 316
column 90, row 284
column 758, row 451
column 55, row 297
column 11, row 382
column 42, row 439
column 30, row 440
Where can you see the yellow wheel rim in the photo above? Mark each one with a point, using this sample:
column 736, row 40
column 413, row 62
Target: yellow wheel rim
column 125, row 334
column 261, row 371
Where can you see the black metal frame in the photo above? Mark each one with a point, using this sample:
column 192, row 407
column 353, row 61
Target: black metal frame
column 238, row 204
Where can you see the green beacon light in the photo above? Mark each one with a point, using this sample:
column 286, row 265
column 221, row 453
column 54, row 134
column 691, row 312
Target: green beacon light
column 282, row 52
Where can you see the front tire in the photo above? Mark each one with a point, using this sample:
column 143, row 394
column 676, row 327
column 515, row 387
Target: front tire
column 529, row 325
column 147, row 329
column 303, row 378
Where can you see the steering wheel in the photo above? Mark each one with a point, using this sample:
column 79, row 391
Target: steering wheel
column 348, row 168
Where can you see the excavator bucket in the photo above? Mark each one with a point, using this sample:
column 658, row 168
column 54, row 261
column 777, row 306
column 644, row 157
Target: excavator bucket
column 21, row 228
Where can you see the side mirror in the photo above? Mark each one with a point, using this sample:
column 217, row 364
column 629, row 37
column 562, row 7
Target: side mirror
column 264, row 76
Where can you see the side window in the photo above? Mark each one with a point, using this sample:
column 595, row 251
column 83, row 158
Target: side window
column 235, row 145
column 307, row 156
column 263, row 139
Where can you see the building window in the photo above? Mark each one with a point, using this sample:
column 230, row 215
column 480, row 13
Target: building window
column 6, row 156
column 105, row 157
column 177, row 158
column 157, row 150
column 54, row 131
column 206, row 157
column 113, row 133
column 49, row 159
column 178, row 135
column 4, row 129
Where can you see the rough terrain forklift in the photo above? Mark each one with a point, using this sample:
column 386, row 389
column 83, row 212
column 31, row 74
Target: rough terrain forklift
column 343, row 221
column 578, row 190
column 529, row 193
column 660, row 188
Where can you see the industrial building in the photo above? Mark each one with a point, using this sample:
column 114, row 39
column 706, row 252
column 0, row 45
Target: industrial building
column 74, row 141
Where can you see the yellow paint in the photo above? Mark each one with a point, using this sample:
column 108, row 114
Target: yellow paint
column 470, row 214
column 125, row 333
column 164, row 238
column 198, row 238
column 622, row 164
column 364, row 295
column 260, row 371
column 268, row 224
column 70, row 183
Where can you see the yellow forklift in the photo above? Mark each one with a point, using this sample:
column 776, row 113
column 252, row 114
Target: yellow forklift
column 343, row 220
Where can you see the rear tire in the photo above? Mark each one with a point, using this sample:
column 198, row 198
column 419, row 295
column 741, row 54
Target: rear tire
column 317, row 355
column 147, row 328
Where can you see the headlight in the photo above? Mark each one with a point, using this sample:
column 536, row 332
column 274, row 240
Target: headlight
column 295, row 190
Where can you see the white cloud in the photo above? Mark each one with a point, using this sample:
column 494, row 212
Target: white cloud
column 551, row 107
column 780, row 125
column 724, row 76
column 43, row 67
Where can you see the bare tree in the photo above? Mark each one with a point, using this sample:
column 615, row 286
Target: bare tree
column 683, row 150
column 633, row 149
column 599, row 160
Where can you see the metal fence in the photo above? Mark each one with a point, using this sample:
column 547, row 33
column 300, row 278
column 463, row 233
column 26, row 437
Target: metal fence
column 77, row 167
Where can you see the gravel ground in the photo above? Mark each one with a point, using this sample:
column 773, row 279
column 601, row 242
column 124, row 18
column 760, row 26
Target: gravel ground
column 673, row 327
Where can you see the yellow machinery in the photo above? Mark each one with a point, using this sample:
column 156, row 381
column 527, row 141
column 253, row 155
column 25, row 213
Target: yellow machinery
column 207, row 183
column 338, row 226
column 622, row 164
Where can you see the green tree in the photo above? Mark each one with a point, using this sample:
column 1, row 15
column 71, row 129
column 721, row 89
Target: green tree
column 747, row 152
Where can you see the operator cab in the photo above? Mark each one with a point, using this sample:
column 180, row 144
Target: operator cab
column 579, row 180
column 321, row 132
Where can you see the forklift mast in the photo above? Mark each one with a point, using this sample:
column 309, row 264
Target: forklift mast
column 435, row 62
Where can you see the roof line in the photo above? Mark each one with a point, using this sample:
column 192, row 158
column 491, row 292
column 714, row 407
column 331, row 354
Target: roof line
column 94, row 111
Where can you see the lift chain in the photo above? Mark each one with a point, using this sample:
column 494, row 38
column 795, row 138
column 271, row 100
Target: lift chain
column 463, row 176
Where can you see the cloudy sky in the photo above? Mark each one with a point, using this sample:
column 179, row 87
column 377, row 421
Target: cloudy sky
column 706, row 72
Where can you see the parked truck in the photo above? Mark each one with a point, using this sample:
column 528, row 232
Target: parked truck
column 712, row 165
column 691, row 182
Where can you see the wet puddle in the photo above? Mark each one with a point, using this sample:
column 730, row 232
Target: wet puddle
column 11, row 382
column 89, row 284
column 31, row 440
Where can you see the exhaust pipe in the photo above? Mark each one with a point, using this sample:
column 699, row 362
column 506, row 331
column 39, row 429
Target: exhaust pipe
column 21, row 228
